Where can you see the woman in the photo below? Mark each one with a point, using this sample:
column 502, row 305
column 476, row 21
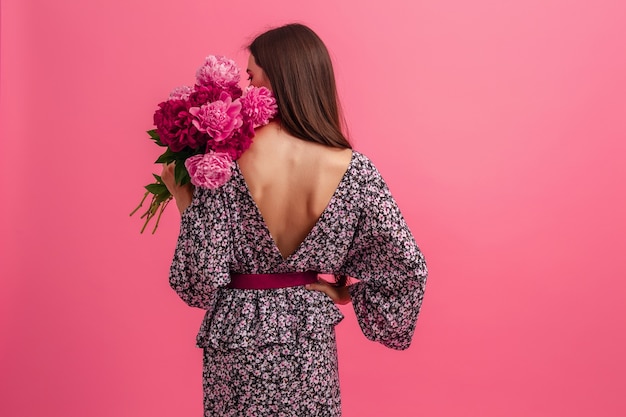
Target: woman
column 300, row 202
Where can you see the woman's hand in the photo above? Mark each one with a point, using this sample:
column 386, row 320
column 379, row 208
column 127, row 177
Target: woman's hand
column 183, row 194
column 339, row 295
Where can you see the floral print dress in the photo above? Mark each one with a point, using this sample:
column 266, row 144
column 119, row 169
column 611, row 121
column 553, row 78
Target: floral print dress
column 273, row 352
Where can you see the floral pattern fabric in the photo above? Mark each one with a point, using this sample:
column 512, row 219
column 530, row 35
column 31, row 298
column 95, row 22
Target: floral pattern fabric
column 273, row 352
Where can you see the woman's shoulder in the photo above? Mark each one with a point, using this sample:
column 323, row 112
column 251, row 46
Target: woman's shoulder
column 363, row 166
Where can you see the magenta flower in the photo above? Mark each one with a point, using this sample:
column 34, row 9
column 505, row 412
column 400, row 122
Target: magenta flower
column 202, row 94
column 181, row 93
column 218, row 119
column 210, row 170
column 218, row 71
column 259, row 105
column 174, row 123
column 238, row 143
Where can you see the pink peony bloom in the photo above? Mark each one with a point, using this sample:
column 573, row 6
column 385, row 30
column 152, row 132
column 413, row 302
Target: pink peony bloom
column 218, row 71
column 204, row 94
column 258, row 105
column 181, row 93
column 210, row 170
column 218, row 119
column 174, row 123
column 238, row 143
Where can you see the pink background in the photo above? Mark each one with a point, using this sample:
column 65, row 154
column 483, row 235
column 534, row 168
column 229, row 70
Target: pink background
column 499, row 125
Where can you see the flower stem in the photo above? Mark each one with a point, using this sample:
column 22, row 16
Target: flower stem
column 162, row 205
column 141, row 203
column 149, row 214
column 146, row 222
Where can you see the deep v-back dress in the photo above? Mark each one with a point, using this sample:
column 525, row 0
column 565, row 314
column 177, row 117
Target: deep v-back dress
column 273, row 352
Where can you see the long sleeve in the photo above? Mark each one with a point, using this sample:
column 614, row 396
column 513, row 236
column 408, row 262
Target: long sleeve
column 391, row 268
column 203, row 251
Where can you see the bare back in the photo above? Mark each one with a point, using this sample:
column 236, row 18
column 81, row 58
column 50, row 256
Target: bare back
column 291, row 181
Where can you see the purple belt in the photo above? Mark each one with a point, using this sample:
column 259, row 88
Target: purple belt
column 270, row 281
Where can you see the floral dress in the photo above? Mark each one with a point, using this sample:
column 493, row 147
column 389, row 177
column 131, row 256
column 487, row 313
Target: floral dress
column 273, row 352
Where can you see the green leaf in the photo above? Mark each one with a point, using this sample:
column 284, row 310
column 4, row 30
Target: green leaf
column 157, row 178
column 156, row 188
column 163, row 197
column 185, row 153
column 166, row 157
column 154, row 135
column 180, row 173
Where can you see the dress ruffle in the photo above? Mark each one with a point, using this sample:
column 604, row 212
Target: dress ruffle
column 246, row 318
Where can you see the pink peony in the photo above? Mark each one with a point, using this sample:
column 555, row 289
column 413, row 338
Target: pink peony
column 218, row 71
column 204, row 94
column 181, row 93
column 258, row 105
column 210, row 170
column 174, row 123
column 238, row 143
column 218, row 119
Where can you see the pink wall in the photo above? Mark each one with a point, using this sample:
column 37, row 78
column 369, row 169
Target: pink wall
column 499, row 125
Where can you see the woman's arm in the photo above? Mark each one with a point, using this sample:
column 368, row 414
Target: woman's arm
column 183, row 194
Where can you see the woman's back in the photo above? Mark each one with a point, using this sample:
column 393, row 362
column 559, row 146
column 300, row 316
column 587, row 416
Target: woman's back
column 292, row 182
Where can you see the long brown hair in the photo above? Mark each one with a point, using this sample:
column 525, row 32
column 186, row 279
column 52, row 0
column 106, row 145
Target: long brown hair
column 298, row 67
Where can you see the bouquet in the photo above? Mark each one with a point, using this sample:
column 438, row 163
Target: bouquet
column 204, row 129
